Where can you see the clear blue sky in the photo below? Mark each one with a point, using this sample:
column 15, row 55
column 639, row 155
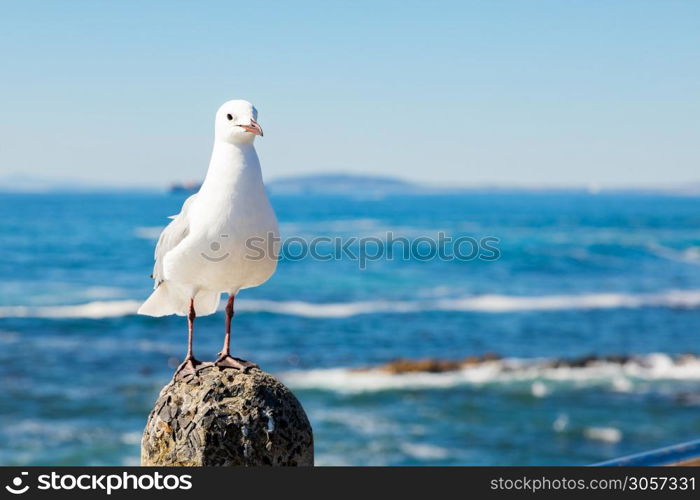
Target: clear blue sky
column 521, row 92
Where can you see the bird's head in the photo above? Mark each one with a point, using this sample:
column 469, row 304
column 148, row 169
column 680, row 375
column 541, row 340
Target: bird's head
column 236, row 122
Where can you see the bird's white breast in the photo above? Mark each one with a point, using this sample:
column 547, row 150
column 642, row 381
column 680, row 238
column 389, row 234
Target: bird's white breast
column 233, row 235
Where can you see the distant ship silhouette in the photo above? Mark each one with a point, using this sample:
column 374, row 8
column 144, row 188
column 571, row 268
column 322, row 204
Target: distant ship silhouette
column 184, row 187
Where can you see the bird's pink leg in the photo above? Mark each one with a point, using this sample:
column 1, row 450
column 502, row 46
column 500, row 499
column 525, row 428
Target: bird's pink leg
column 225, row 360
column 229, row 316
column 191, row 363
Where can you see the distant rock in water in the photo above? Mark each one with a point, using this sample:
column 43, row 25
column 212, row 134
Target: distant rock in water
column 431, row 365
column 619, row 373
column 227, row 418
column 438, row 365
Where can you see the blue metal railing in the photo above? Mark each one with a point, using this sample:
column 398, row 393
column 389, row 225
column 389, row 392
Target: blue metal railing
column 663, row 456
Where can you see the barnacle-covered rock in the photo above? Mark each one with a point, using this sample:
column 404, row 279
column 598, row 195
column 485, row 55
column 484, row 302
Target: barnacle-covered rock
column 223, row 417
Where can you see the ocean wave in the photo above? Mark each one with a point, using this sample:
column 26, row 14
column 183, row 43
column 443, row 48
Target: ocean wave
column 682, row 299
column 539, row 377
column 366, row 227
column 90, row 310
column 330, row 226
column 676, row 299
column 689, row 255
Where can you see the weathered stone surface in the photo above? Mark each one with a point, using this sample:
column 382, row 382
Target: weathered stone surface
column 227, row 418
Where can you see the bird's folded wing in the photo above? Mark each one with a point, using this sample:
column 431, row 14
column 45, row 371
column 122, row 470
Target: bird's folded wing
column 171, row 236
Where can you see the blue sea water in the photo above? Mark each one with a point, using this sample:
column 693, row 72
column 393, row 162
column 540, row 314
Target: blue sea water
column 578, row 274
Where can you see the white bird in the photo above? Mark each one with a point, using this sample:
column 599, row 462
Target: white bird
column 224, row 239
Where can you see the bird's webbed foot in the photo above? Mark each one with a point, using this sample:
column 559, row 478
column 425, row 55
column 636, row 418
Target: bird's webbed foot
column 187, row 367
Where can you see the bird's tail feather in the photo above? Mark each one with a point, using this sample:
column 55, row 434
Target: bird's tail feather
column 169, row 298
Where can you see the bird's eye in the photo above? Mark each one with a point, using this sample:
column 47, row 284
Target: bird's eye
column 229, row 116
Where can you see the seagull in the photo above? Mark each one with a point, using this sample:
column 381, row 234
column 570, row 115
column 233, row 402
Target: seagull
column 224, row 239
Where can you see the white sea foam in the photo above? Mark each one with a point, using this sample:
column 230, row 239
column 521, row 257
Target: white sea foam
column 539, row 389
column 604, row 434
column 680, row 299
column 533, row 373
column 324, row 310
column 424, row 451
column 561, row 423
column 131, row 438
column 148, row 232
column 363, row 423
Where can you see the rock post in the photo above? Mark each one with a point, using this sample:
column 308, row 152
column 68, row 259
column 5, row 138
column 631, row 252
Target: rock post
column 224, row 417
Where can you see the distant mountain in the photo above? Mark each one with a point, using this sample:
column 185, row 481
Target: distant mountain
column 335, row 184
column 363, row 186
column 373, row 186
column 23, row 183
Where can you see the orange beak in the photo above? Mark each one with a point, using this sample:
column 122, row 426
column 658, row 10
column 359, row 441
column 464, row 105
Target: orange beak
column 253, row 128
